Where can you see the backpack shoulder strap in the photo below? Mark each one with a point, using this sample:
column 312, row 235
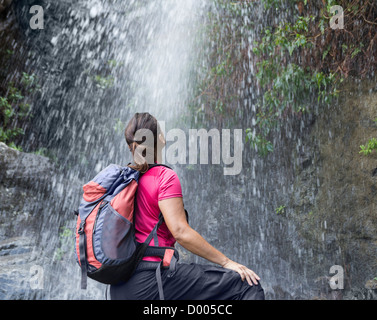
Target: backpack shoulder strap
column 153, row 233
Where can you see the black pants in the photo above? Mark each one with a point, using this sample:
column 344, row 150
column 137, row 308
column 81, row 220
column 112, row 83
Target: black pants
column 190, row 282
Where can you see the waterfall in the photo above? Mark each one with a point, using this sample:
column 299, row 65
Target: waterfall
column 97, row 63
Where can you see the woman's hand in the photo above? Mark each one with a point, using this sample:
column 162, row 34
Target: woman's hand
column 245, row 273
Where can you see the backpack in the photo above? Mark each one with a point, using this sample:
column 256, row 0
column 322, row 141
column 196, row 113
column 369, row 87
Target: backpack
column 106, row 248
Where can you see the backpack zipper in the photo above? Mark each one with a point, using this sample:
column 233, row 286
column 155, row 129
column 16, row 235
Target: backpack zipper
column 103, row 203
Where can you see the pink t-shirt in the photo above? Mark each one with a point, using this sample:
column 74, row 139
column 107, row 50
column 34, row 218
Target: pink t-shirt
column 158, row 183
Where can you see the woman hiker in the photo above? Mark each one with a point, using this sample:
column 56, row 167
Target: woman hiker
column 159, row 191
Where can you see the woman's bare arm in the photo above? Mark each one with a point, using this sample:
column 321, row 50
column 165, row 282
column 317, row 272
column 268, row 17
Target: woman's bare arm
column 175, row 219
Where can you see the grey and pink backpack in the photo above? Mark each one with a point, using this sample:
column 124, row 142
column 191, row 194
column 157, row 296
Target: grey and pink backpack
column 106, row 248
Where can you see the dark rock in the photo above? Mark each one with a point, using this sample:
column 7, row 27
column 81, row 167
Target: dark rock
column 24, row 169
column 4, row 5
column 16, row 259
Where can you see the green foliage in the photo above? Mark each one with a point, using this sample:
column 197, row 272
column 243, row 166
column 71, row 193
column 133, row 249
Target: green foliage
column 119, row 126
column 29, row 82
column 14, row 108
column 41, row 152
column 299, row 62
column 112, row 63
column 220, row 63
column 369, row 147
column 13, row 146
column 302, row 57
column 48, row 153
column 105, row 78
column 280, row 210
column 103, row 82
column 268, row 4
column 287, row 86
column 258, row 142
column 66, row 243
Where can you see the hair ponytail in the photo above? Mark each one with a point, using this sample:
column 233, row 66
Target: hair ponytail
column 143, row 150
column 140, row 161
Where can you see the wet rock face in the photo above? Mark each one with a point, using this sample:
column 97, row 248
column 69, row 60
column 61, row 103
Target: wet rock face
column 34, row 259
column 25, row 179
column 17, row 257
column 33, row 193
column 4, row 5
column 26, row 170
column 335, row 205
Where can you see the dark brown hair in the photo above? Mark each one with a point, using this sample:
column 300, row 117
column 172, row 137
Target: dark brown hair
column 142, row 125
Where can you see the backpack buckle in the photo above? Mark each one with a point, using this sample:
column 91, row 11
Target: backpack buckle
column 81, row 228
